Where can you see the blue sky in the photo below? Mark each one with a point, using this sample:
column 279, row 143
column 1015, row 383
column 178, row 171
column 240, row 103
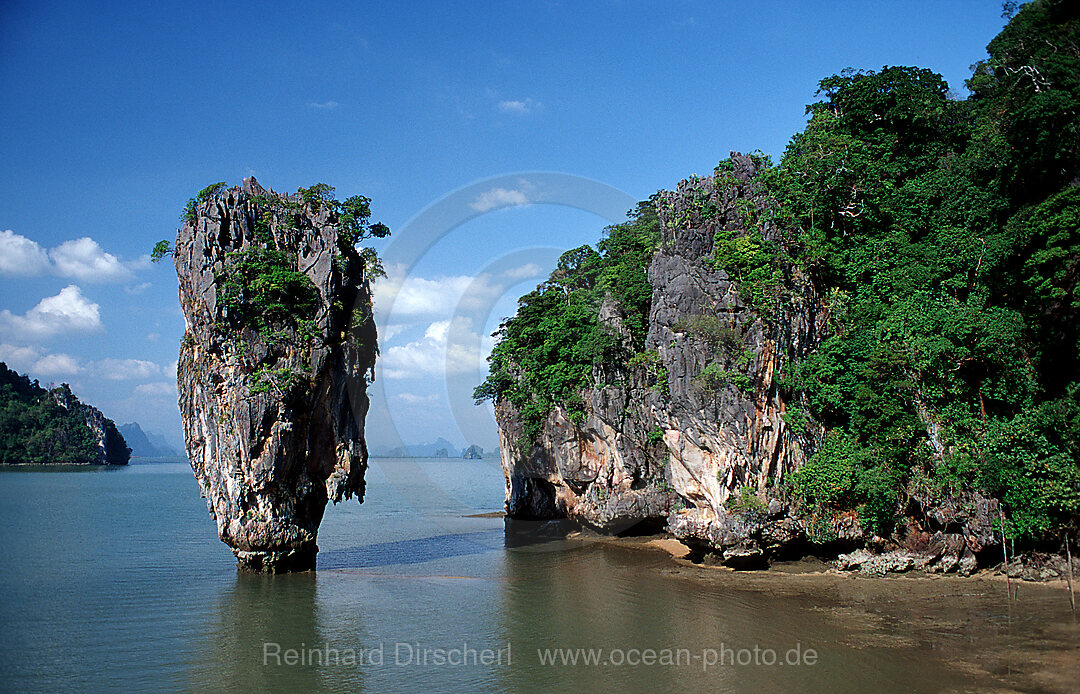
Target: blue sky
column 112, row 114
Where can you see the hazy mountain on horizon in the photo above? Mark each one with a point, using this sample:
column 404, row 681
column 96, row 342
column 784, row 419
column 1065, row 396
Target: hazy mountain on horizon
column 417, row 450
column 146, row 444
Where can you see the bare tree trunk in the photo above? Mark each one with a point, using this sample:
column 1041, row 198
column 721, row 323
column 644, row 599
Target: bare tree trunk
column 1005, row 553
column 1068, row 568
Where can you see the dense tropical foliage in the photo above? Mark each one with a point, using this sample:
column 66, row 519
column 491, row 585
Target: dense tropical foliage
column 944, row 237
column 547, row 351
column 951, row 231
column 36, row 430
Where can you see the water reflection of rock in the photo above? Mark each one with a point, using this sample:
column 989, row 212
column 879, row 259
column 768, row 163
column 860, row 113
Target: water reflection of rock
column 600, row 596
column 271, row 609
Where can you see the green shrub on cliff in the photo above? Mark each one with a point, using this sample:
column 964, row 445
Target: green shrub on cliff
column 353, row 214
column 188, row 215
column 1030, row 463
column 752, row 262
column 546, row 353
column 261, row 287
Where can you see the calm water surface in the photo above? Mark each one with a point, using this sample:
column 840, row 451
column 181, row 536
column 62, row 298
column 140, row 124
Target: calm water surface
column 114, row 580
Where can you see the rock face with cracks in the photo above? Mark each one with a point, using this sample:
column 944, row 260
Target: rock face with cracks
column 647, row 446
column 273, row 370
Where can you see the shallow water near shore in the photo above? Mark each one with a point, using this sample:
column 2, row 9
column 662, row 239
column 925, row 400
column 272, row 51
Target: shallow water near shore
column 114, row 580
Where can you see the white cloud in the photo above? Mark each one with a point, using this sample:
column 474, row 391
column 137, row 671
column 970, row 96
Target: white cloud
column 137, row 288
column 21, row 256
column 56, row 365
column 497, row 198
column 19, row 358
column 324, row 105
column 156, row 389
column 389, row 332
column 420, row 296
column 68, row 311
column 437, row 331
column 412, row 399
column 519, row 106
column 32, row 360
column 447, row 348
column 126, row 369
column 84, row 260
column 523, row 272
column 143, row 262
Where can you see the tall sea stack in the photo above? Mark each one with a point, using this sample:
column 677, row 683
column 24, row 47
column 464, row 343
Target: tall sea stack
column 274, row 366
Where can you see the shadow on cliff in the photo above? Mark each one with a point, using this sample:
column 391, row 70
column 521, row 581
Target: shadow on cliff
column 412, row 551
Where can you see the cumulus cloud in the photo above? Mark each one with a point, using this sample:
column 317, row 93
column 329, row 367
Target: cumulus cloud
column 85, row 260
column 56, row 365
column 82, row 259
column 21, row 256
column 448, row 348
column 323, row 105
column 497, row 198
column 33, row 360
column 518, row 106
column 421, row 296
column 389, row 332
column 126, row 369
column 143, row 262
column 523, row 272
column 68, row 311
column 156, row 389
column 19, row 358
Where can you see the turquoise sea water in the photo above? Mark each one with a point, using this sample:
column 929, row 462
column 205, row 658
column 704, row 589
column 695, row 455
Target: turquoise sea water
column 114, row 580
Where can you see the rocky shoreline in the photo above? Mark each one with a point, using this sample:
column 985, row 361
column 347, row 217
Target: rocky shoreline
column 1032, row 567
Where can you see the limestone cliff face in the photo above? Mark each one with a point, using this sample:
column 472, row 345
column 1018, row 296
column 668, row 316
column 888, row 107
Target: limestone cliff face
column 675, row 434
column 273, row 410
column 723, row 417
column 602, row 470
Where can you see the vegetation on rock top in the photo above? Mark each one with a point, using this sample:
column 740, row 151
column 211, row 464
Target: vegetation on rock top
column 261, row 288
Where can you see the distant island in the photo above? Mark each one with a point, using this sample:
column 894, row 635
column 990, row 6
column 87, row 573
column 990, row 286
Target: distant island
column 41, row 426
column 146, row 444
column 439, row 448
